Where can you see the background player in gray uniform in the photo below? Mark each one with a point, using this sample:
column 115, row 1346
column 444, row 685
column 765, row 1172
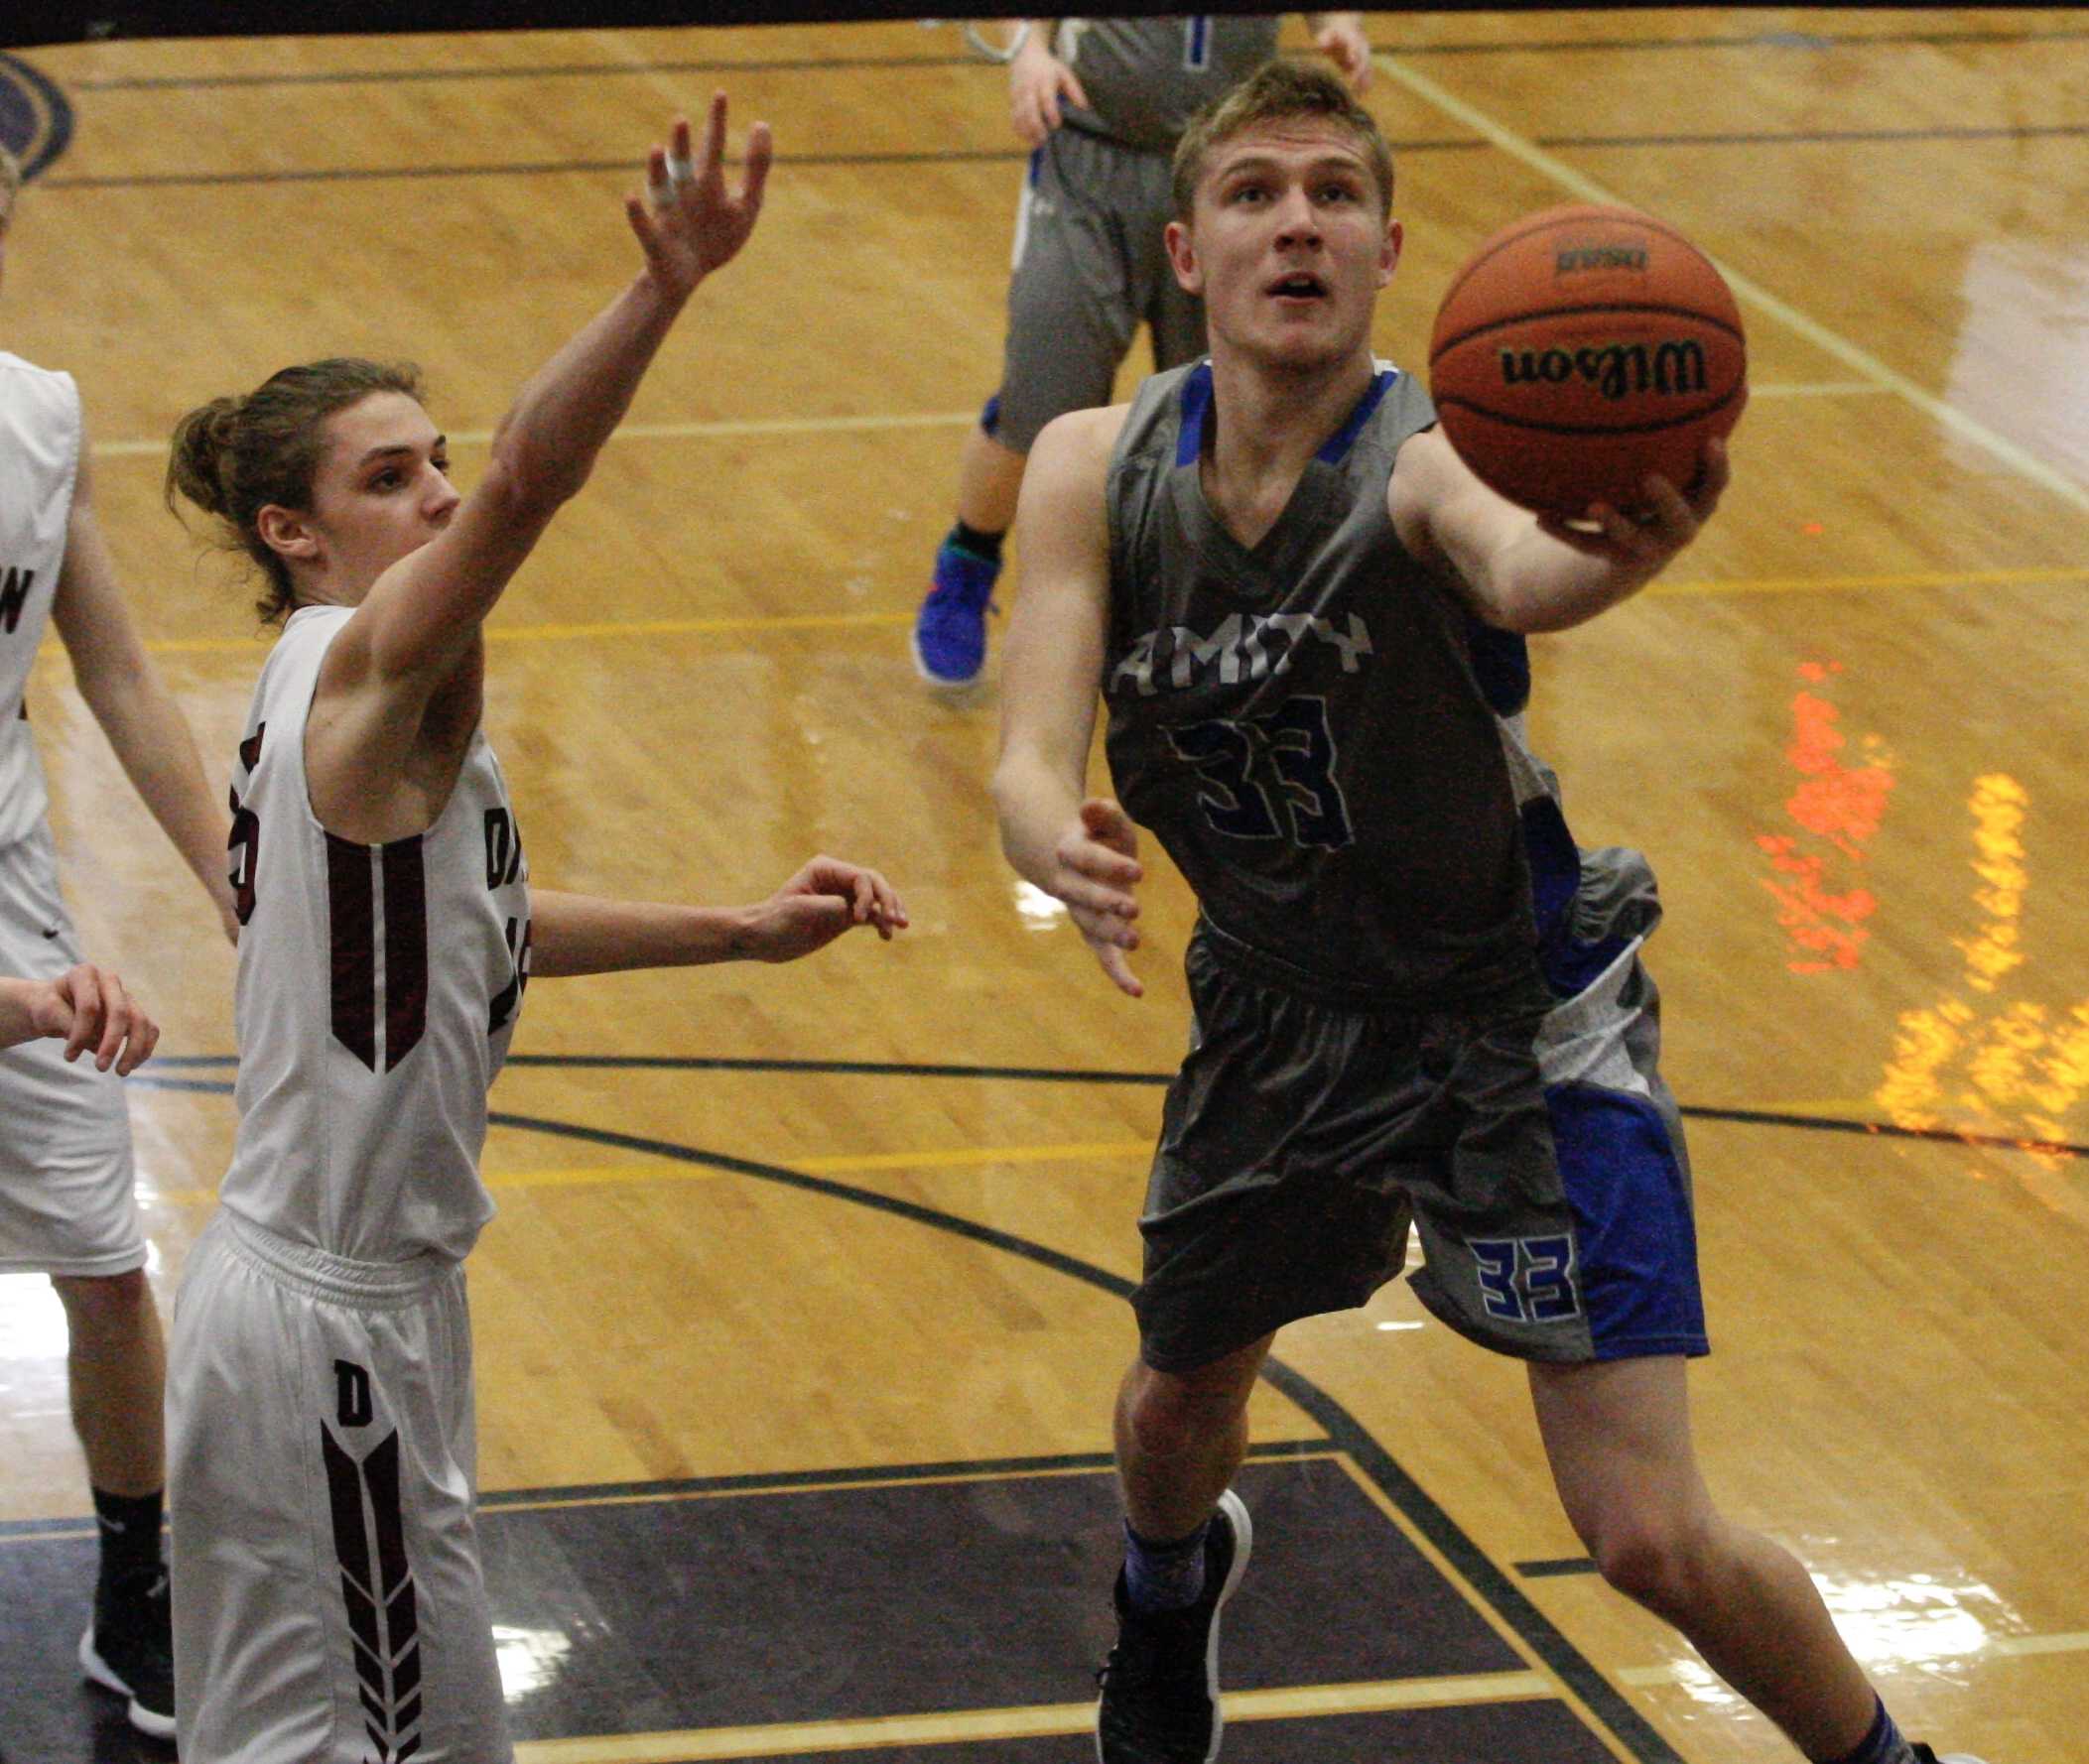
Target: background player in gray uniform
column 67, row 1201
column 1415, row 1003
column 328, row 1602
column 1101, row 103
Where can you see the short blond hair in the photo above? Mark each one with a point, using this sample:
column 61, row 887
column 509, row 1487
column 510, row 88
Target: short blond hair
column 1277, row 91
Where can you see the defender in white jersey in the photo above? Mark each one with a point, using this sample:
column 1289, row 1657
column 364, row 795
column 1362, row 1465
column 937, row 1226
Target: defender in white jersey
column 1101, row 104
column 67, row 1207
column 1403, row 1013
column 328, row 1603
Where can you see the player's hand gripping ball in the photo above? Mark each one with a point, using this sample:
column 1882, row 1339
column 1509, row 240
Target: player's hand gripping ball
column 1581, row 349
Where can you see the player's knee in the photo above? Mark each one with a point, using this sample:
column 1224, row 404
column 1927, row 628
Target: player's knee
column 1655, row 1560
column 1171, row 1411
column 103, row 1301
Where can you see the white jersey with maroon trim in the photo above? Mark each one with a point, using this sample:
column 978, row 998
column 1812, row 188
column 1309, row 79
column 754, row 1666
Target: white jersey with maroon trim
column 378, row 988
column 40, row 426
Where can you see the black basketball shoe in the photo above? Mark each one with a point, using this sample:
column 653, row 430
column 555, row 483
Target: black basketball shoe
column 1160, row 1684
column 129, row 1649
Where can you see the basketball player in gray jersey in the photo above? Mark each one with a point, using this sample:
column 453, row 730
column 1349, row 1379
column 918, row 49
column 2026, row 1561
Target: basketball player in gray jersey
column 1101, row 102
column 1417, row 1004
column 67, row 1180
column 328, row 1602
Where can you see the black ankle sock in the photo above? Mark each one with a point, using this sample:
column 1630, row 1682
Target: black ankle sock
column 130, row 1535
column 981, row 544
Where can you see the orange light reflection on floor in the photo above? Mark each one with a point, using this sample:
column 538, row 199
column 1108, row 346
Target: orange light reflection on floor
column 1836, row 805
column 2022, row 1064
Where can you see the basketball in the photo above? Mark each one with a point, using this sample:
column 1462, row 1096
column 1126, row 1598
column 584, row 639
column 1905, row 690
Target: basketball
column 1581, row 349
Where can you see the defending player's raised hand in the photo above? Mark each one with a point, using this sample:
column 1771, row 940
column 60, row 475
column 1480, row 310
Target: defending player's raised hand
column 1341, row 39
column 88, row 1006
column 688, row 222
column 1094, row 870
column 816, row 905
column 1038, row 81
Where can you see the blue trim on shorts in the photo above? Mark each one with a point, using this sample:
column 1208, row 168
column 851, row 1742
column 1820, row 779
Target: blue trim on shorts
column 990, row 415
column 1636, row 1240
column 1569, row 966
column 1345, row 438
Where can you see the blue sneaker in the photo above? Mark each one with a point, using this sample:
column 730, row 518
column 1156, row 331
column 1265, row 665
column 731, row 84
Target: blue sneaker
column 950, row 631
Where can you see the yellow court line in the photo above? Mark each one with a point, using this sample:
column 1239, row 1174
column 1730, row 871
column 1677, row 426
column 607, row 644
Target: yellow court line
column 763, row 624
column 593, row 1175
column 1035, row 1722
column 587, row 1175
column 1993, row 1647
column 939, row 1479
column 1946, row 415
column 1828, row 584
column 722, row 430
column 737, row 427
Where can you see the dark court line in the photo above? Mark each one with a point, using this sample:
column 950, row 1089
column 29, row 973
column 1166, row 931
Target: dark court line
column 1746, row 1117
column 1565, row 1564
column 1343, row 1431
column 790, row 1481
column 551, row 70
column 1825, row 137
column 56, row 133
column 1772, row 40
column 1001, row 155
column 769, row 1481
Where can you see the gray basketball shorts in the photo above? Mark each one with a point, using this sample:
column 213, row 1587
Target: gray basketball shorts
column 1528, row 1139
column 328, row 1603
column 66, row 1179
column 1090, row 268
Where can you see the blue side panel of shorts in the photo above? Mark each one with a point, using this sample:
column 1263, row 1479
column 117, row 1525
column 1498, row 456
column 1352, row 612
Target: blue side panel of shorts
column 991, row 417
column 1569, row 965
column 1637, row 1241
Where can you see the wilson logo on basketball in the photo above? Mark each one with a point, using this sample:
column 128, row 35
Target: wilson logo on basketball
column 1599, row 257
column 1616, row 370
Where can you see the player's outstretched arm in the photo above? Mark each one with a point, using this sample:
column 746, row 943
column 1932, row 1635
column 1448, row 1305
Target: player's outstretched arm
column 1339, row 37
column 87, row 1007
column 422, row 614
column 1534, row 572
column 1081, row 849
column 123, row 689
column 580, row 934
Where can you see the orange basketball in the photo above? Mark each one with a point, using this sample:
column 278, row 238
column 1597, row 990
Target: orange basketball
column 1581, row 349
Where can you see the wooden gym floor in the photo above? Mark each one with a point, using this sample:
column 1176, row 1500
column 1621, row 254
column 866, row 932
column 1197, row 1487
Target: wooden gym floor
column 797, row 1327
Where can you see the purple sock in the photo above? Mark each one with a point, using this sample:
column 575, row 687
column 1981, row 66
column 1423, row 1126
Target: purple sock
column 1882, row 1745
column 1163, row 1577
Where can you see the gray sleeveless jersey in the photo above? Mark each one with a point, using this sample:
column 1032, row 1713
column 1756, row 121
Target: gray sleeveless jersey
column 1146, row 77
column 1300, row 724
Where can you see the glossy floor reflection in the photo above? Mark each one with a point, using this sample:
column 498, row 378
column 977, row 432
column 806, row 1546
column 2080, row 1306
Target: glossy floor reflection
column 973, row 1597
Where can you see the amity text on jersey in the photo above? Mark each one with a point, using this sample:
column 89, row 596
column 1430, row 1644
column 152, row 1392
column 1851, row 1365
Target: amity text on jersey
column 1246, row 646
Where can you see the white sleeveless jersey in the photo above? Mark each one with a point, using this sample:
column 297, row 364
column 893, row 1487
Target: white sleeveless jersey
column 39, row 428
column 378, row 986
